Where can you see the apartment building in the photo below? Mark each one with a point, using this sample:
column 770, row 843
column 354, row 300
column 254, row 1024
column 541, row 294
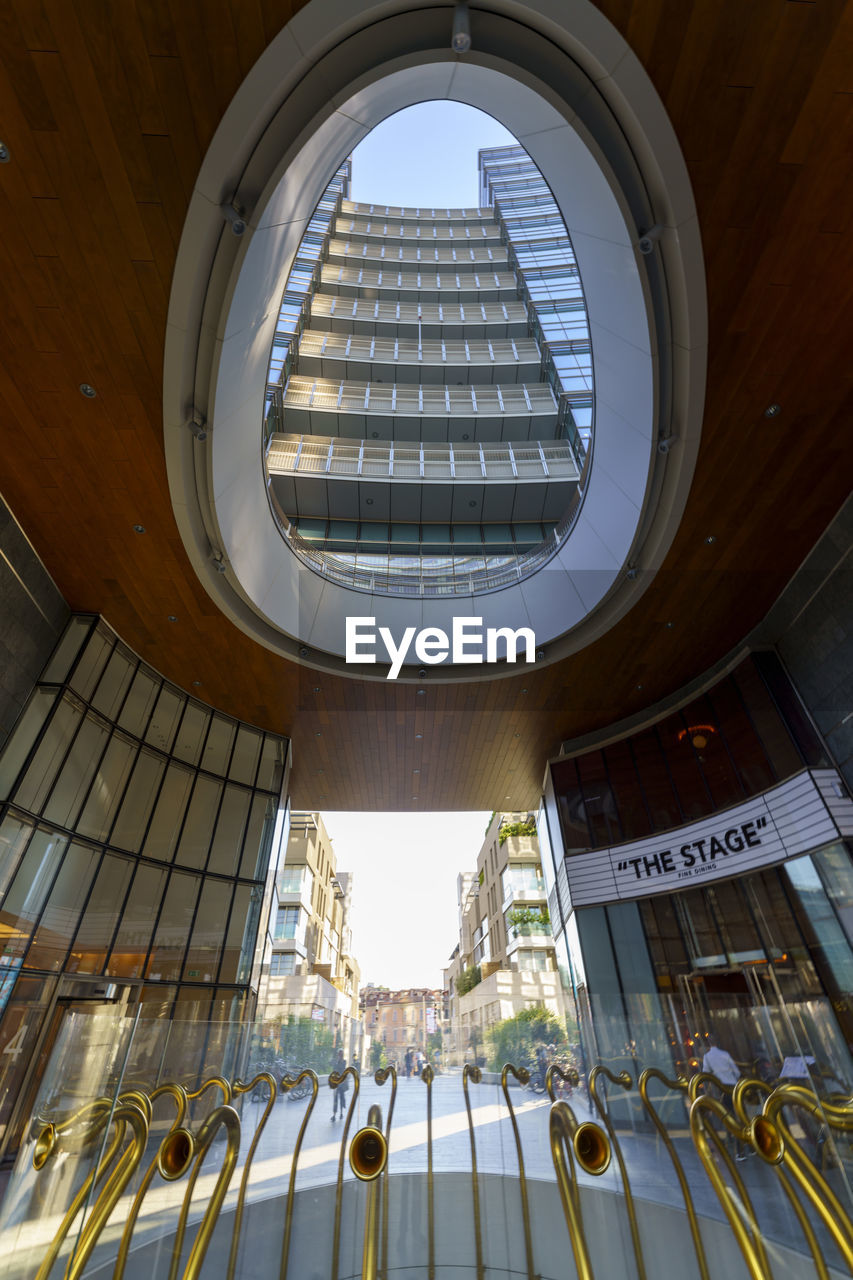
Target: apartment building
column 309, row 969
column 505, row 959
column 401, row 1020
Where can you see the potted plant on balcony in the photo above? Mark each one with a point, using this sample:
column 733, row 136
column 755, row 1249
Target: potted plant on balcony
column 520, row 919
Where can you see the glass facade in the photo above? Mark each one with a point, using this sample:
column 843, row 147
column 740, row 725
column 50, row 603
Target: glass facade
column 136, row 831
column 762, row 962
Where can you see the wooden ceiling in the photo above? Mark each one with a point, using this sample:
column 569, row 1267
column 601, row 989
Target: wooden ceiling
column 107, row 108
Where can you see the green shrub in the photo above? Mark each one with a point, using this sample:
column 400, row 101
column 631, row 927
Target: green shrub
column 468, row 979
column 527, row 828
column 515, row 1039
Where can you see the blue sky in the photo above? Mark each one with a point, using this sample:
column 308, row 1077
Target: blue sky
column 425, row 155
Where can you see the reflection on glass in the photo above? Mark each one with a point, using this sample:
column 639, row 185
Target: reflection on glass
column 50, row 753
column 64, row 907
column 203, row 954
column 228, row 841
column 21, row 741
column 107, row 788
column 94, row 935
column 29, row 889
column 134, row 933
column 173, row 927
column 165, row 825
column 138, row 802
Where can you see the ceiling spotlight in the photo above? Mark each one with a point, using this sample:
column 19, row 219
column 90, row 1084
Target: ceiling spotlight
column 646, row 243
column 4, row 153
column 316, row 688
column 773, row 411
column 461, row 39
column 711, row 538
column 632, row 572
column 639, row 686
column 421, row 692
column 368, row 502
column 139, row 528
column 196, row 683
column 88, row 391
column 422, row 673
column 219, row 563
column 419, row 735
column 669, row 625
column 303, row 652
column 197, row 426
column 173, row 617
column 472, row 503
column 540, row 654
column 235, row 217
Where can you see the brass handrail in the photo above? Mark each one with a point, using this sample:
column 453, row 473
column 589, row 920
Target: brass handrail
column 475, row 1074
column 368, row 1157
column 123, row 1115
column 591, row 1147
column 380, row 1077
column 335, row 1080
column 179, row 1096
column 427, row 1076
column 240, row 1087
column 625, row 1081
column 679, row 1084
column 522, row 1075
column 290, row 1082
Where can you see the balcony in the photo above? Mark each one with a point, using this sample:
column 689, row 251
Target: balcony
column 430, row 319
column 364, row 356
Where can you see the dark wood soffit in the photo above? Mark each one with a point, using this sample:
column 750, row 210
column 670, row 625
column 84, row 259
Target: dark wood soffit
column 108, row 109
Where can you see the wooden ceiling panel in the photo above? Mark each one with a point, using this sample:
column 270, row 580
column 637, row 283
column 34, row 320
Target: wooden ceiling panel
column 108, row 110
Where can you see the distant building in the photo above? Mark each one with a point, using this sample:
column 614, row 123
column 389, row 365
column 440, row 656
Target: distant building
column 309, row 969
column 401, row 1020
column 505, row 947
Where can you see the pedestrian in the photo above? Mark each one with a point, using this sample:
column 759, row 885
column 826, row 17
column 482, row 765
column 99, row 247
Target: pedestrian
column 340, row 1098
column 408, row 1063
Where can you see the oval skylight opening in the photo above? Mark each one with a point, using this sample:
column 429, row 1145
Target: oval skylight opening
column 429, row 396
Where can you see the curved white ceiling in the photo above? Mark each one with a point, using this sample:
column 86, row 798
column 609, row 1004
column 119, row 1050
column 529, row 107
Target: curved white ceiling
column 590, row 120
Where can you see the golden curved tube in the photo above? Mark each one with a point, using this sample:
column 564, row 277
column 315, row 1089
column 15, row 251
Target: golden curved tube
column 750, row 1242
column 334, row 1080
column 679, row 1084
column 198, row 1151
column 522, row 1076
column 475, row 1074
column 227, row 1116
column 218, row 1082
column 427, row 1076
column 124, row 1114
column 570, row 1077
column 94, row 1176
column 380, row 1077
column 562, row 1127
column 139, row 1099
column 625, row 1081
column 808, row 1177
column 239, row 1087
column 368, row 1163
column 178, row 1094
column 289, row 1082
column 707, row 1077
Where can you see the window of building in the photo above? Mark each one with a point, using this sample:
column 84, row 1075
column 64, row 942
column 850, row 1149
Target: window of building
column 282, row 963
column 286, row 923
column 533, row 960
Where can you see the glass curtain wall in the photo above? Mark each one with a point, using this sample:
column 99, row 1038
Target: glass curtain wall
column 136, row 829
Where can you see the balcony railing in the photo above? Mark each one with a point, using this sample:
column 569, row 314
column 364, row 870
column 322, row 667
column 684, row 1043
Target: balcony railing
column 387, row 311
column 462, row 254
column 327, row 395
column 429, row 280
column 382, row 228
column 421, row 463
column 319, row 344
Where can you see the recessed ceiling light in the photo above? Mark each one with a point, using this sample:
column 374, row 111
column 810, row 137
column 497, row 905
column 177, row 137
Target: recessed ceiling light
column 88, row 391
column 139, row 528
column 318, row 734
column 712, row 537
column 173, row 617
column 419, row 735
column 516, row 735
column 374, row 435
column 319, row 771
column 369, row 501
column 669, row 625
column 639, row 686
column 472, row 503
column 4, row 153
column 196, row 683
column 773, row 411
column 316, row 688
column 420, row 691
